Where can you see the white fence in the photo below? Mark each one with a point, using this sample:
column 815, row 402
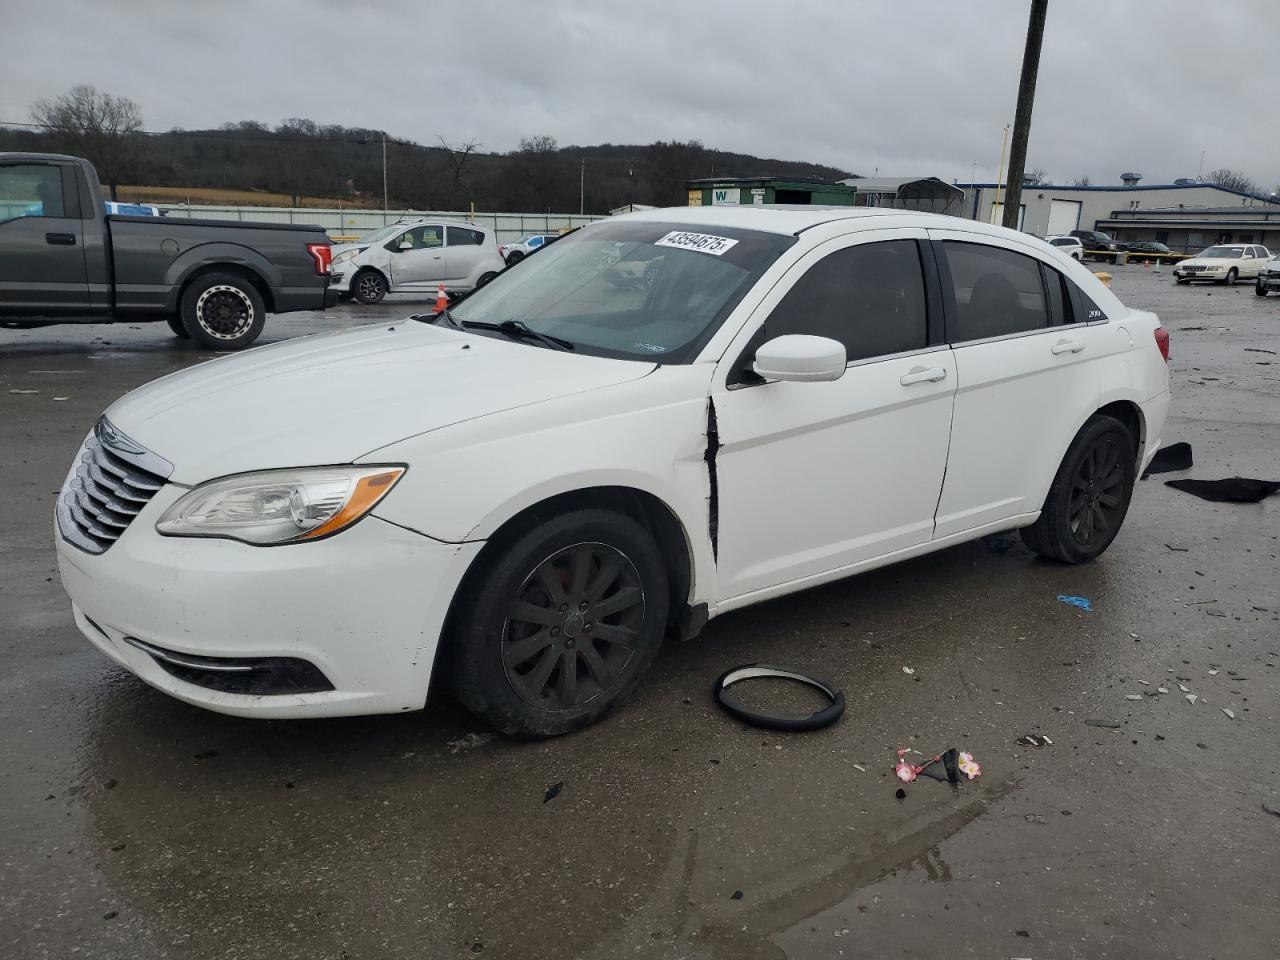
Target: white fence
column 340, row 222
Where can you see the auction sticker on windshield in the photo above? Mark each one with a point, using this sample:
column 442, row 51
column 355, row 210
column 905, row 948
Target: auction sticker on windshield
column 702, row 242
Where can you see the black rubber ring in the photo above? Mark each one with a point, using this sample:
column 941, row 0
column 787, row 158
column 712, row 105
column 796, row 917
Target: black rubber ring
column 778, row 721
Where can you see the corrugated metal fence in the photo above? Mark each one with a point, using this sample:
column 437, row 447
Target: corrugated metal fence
column 352, row 223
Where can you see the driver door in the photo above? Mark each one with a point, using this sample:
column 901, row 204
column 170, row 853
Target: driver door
column 418, row 258
column 816, row 477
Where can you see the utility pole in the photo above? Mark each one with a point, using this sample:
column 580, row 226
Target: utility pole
column 385, row 202
column 1022, row 118
column 582, row 186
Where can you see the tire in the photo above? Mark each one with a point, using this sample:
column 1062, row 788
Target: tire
column 369, row 287
column 1232, row 276
column 1259, row 289
column 1089, row 498
column 175, row 324
column 515, row 673
column 514, row 257
column 485, row 278
column 223, row 311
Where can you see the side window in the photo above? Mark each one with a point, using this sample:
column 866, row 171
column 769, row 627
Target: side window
column 870, row 297
column 1061, row 308
column 997, row 292
column 31, row 190
column 535, row 243
column 462, row 237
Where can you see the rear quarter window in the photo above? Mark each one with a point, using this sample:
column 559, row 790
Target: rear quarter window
column 995, row 292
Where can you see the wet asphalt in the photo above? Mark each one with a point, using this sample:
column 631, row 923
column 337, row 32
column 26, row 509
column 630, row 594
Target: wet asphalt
column 134, row 826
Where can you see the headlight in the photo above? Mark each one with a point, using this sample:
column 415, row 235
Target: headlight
column 344, row 257
column 279, row 506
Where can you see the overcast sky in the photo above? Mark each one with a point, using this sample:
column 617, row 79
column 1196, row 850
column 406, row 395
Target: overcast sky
column 919, row 88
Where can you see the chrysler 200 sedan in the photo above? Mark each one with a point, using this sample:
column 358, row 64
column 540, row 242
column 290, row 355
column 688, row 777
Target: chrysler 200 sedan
column 663, row 417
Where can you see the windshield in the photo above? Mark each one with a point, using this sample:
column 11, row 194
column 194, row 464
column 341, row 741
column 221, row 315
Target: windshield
column 1223, row 253
column 637, row 291
column 386, row 233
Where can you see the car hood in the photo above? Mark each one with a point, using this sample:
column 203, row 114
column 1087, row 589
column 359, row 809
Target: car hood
column 334, row 397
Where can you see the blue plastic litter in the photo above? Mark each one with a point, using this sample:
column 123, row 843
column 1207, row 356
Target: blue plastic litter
column 1081, row 602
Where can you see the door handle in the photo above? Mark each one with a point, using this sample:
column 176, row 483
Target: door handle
column 1067, row 346
column 61, row 239
column 922, row 375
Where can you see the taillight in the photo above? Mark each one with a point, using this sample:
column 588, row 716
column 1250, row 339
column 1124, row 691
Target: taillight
column 1162, row 342
column 323, row 254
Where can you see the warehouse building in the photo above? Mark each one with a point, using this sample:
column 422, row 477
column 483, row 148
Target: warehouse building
column 1050, row 210
column 736, row 191
column 1189, row 231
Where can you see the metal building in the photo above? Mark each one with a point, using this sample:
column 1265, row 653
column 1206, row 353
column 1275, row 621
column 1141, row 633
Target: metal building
column 908, row 193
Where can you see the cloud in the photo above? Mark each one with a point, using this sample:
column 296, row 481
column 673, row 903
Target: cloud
column 908, row 89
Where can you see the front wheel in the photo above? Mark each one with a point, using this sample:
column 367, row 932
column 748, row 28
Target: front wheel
column 1232, row 275
column 1260, row 290
column 370, row 287
column 514, row 257
column 557, row 624
column 223, row 311
column 485, row 278
column 1090, row 494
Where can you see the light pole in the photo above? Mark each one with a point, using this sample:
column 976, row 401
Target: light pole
column 582, row 186
column 385, row 202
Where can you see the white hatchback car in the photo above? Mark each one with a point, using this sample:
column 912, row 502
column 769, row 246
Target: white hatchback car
column 529, row 491
column 1224, row 263
column 416, row 256
column 1071, row 246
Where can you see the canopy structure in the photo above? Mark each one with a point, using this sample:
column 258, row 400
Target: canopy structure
column 908, row 193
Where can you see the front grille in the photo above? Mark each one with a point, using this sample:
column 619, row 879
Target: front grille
column 1195, row 269
column 113, row 479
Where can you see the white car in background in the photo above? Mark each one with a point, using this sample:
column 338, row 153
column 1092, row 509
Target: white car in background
column 1224, row 263
column 416, row 256
column 1071, row 246
column 516, row 251
column 527, row 492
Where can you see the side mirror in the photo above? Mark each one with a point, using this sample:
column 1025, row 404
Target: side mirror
column 405, row 245
column 800, row 357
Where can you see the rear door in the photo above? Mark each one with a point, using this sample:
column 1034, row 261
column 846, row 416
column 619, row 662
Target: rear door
column 42, row 261
column 815, row 477
column 465, row 248
column 418, row 258
column 1027, row 375
column 1257, row 261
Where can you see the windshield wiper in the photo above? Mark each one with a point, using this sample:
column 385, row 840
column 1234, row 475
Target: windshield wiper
column 518, row 329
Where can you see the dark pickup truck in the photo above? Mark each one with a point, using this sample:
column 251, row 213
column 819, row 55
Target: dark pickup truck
column 63, row 259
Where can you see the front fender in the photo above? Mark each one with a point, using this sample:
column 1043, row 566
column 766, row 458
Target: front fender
column 205, row 255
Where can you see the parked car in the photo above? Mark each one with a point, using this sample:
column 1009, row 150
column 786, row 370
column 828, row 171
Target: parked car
column 63, row 259
column 416, row 256
column 517, row 251
column 1269, row 279
column 1098, row 245
column 1152, row 252
column 1224, row 263
column 526, row 492
column 1071, row 246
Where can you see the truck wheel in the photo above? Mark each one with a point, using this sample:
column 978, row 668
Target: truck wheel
column 223, row 311
column 175, row 324
column 370, row 287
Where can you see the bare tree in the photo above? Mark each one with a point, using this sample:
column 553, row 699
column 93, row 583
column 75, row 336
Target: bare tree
column 1036, row 176
column 538, row 156
column 1231, row 180
column 98, row 126
column 457, row 157
column 1082, row 181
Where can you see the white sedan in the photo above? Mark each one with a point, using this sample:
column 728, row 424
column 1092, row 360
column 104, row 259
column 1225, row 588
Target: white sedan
column 1225, row 263
column 528, row 492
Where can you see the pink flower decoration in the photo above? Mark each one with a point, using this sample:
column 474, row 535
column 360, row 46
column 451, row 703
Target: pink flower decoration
column 969, row 766
column 905, row 771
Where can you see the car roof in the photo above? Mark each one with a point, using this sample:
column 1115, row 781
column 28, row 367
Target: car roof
column 790, row 220
column 415, row 221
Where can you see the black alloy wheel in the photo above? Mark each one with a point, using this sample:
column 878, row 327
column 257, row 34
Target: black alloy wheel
column 371, row 287
column 1097, row 493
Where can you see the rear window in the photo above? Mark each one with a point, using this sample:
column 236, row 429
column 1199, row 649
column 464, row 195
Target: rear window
column 997, row 292
column 462, row 237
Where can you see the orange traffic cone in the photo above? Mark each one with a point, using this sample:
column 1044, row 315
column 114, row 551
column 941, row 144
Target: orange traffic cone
column 442, row 300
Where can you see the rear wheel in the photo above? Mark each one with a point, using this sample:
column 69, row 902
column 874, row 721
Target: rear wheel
column 514, row 257
column 1259, row 289
column 1090, row 495
column 370, row 287
column 558, row 624
column 175, row 324
column 223, row 311
column 485, row 278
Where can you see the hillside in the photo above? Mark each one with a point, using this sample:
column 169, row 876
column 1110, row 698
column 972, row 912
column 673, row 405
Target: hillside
column 300, row 159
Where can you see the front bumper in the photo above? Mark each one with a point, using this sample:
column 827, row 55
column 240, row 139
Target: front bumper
column 1269, row 281
column 366, row 608
column 340, row 280
column 1180, row 271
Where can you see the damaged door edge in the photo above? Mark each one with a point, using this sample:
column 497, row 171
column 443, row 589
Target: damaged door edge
column 713, row 496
